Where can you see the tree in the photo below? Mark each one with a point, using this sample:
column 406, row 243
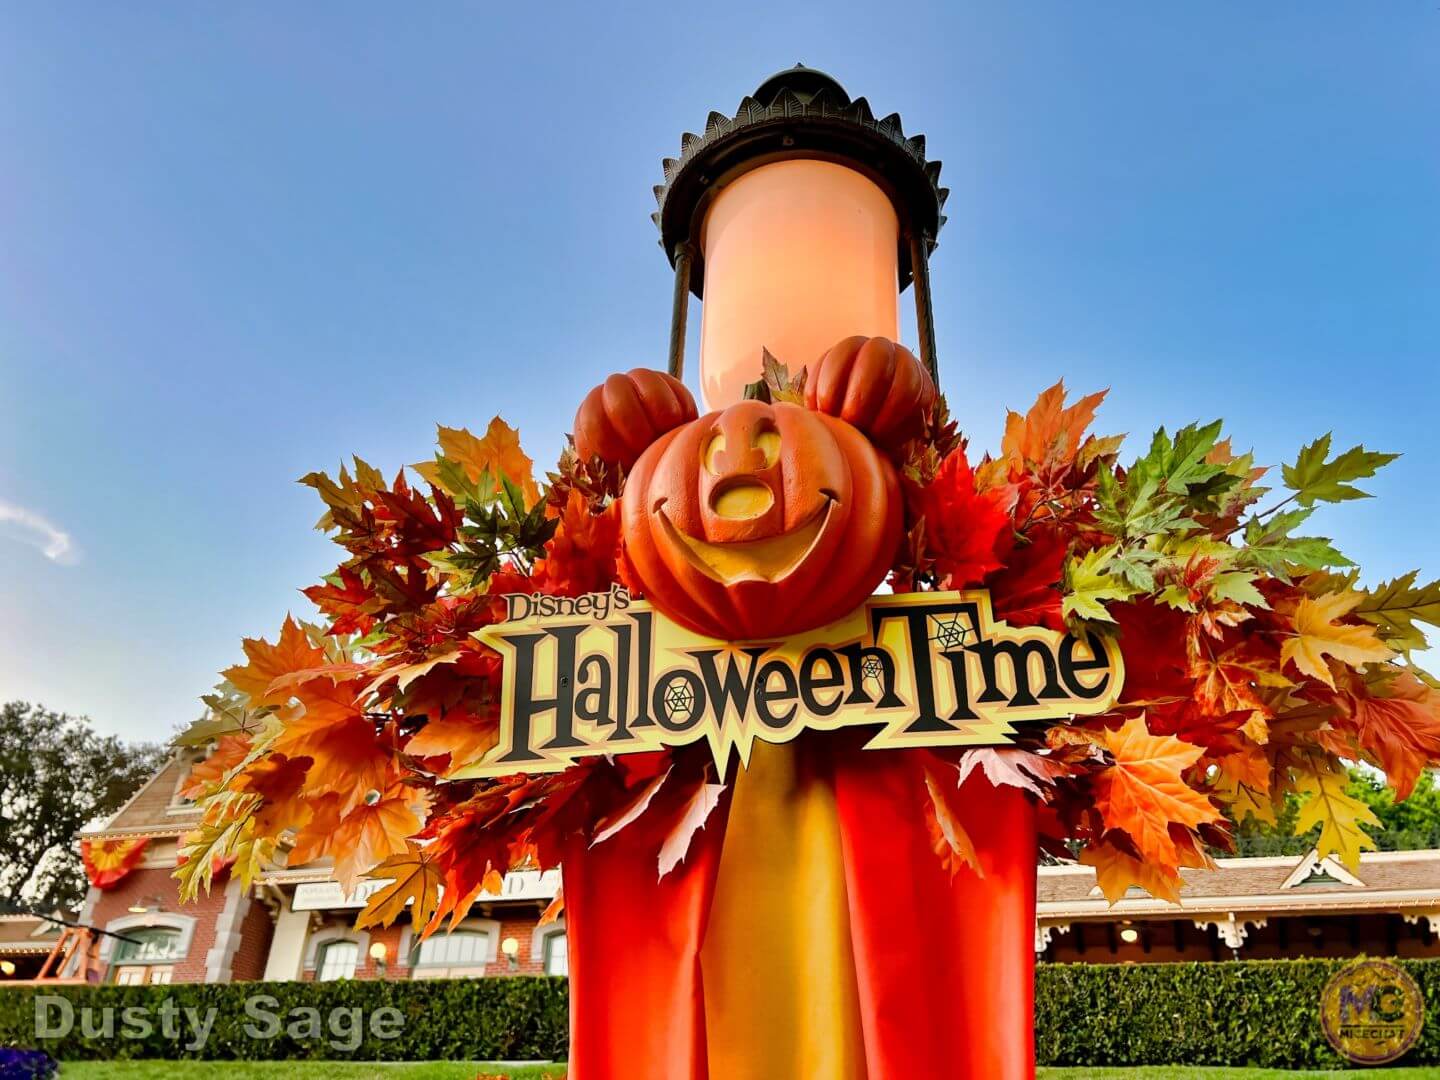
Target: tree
column 1409, row 825
column 57, row 775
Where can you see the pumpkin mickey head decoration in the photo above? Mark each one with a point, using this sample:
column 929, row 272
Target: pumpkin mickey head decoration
column 762, row 519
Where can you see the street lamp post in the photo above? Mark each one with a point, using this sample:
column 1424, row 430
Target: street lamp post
column 811, row 929
column 797, row 220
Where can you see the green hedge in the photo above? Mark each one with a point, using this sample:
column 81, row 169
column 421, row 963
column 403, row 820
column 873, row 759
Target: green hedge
column 444, row 1020
column 1250, row 1012
column 1260, row 1012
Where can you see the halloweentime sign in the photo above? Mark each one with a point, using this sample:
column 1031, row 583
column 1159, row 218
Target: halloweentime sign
column 606, row 674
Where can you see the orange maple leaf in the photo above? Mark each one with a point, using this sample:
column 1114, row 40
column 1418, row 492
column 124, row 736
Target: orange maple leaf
column 555, row 908
column 1231, row 681
column 266, row 663
column 948, row 837
column 1144, row 794
column 280, row 781
column 1116, row 870
column 1243, row 783
column 229, row 751
column 414, row 879
column 580, row 557
column 1050, row 431
column 463, row 736
column 317, row 835
column 498, row 454
column 349, row 757
column 374, row 831
column 1400, row 730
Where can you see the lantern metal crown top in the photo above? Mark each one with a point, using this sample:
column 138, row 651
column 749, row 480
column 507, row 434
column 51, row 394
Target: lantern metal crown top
column 799, row 113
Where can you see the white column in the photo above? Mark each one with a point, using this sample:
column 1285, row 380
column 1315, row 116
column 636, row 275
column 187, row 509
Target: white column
column 287, row 945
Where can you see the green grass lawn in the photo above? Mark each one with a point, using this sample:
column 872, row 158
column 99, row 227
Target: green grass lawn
column 325, row 1070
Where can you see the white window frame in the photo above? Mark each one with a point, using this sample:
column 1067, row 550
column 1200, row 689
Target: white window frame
column 489, row 927
column 150, row 920
column 325, row 946
column 541, row 937
column 327, row 934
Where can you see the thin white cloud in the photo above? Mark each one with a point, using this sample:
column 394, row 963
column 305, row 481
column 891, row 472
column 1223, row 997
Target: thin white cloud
column 31, row 528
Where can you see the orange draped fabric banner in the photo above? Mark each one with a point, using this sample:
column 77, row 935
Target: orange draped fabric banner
column 811, row 931
column 107, row 862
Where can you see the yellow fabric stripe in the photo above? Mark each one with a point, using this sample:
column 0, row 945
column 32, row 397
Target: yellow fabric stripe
column 777, row 965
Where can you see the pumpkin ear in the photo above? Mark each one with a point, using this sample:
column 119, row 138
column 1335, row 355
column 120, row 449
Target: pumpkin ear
column 626, row 413
column 874, row 385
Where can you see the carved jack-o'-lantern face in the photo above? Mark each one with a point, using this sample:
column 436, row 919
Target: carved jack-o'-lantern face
column 760, row 520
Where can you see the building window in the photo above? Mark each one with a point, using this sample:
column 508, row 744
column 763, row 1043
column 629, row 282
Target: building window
column 135, row 975
column 460, row 954
column 336, row 960
column 148, row 945
column 557, row 954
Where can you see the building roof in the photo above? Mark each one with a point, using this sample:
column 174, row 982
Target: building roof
column 156, row 809
column 26, row 934
column 1389, row 880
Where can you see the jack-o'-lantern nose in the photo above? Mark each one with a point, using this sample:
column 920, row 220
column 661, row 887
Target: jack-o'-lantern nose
column 741, row 500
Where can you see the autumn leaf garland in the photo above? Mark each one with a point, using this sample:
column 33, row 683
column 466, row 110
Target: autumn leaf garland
column 1256, row 662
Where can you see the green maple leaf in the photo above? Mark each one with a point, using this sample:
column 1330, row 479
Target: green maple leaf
column 1270, row 548
column 1314, row 479
column 1239, row 586
column 1136, row 566
column 1088, row 584
column 1165, row 488
column 1396, row 606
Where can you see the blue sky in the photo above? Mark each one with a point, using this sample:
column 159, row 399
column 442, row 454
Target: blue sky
column 237, row 245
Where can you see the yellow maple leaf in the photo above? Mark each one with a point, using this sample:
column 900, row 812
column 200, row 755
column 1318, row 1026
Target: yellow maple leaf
column 1144, row 793
column 1338, row 813
column 266, row 663
column 1318, row 635
column 497, row 453
column 414, row 878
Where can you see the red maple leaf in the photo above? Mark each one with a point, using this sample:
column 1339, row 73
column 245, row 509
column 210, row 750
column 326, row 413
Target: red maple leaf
column 962, row 527
column 1026, row 590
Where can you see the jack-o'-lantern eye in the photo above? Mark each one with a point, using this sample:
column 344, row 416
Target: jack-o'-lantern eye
column 710, row 455
column 768, row 443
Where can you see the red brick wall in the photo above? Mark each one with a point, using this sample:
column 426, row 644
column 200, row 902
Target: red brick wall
column 141, row 884
column 256, row 930
column 521, row 926
column 396, row 966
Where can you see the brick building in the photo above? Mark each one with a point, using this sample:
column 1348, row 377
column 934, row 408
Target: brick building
column 296, row 923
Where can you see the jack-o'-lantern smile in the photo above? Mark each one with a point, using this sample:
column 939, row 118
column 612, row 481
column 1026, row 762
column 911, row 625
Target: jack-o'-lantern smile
column 769, row 559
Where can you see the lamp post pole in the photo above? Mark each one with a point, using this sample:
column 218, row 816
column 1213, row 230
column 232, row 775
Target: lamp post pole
column 811, row 930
